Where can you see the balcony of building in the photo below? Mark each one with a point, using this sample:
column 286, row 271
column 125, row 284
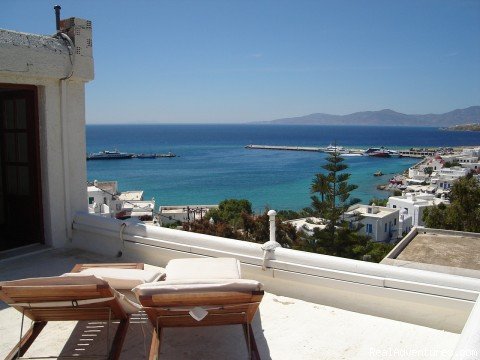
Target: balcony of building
column 316, row 307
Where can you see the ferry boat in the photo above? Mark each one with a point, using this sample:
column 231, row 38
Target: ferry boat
column 378, row 152
column 109, row 155
column 335, row 149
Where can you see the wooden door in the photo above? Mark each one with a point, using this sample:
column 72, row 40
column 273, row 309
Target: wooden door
column 20, row 191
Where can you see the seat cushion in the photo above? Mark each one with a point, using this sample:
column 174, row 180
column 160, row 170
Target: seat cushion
column 122, row 279
column 197, row 286
column 205, row 268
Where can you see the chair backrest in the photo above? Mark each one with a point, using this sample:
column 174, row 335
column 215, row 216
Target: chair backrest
column 229, row 307
column 63, row 298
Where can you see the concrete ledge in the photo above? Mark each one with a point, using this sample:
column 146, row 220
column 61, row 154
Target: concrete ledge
column 422, row 297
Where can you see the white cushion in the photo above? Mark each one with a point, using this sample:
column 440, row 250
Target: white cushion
column 207, row 268
column 196, row 286
column 121, row 279
column 128, row 301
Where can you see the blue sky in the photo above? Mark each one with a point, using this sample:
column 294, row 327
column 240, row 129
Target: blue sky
column 227, row 61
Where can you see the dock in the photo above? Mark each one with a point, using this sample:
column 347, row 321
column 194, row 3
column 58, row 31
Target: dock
column 287, row 148
column 411, row 153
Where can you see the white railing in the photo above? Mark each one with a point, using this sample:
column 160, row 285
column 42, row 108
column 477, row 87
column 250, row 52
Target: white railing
column 437, row 300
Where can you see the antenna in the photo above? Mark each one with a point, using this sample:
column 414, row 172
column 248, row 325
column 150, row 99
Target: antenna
column 57, row 9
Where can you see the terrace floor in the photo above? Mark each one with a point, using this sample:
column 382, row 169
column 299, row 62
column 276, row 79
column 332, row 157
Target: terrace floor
column 285, row 328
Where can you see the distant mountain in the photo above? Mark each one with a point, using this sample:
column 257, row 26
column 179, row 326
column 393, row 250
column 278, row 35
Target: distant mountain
column 386, row 117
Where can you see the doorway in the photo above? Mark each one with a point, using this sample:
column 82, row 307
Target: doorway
column 21, row 218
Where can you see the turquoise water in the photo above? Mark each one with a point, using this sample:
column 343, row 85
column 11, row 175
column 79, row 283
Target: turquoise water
column 213, row 165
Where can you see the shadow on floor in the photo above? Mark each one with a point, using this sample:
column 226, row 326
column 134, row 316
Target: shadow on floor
column 212, row 342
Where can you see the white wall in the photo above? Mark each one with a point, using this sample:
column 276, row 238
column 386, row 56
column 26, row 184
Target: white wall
column 440, row 301
column 63, row 187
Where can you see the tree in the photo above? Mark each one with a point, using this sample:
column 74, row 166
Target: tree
column 378, row 202
column 463, row 213
column 230, row 211
column 335, row 193
column 320, row 185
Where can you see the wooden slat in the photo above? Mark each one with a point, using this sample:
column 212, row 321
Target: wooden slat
column 156, row 343
column 118, row 340
column 80, row 267
column 52, row 293
column 197, row 299
column 210, row 320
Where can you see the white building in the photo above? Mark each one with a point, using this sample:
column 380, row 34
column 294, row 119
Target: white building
column 104, row 199
column 307, row 225
column 405, row 223
column 379, row 222
column 414, row 205
column 171, row 214
column 471, row 152
column 444, row 178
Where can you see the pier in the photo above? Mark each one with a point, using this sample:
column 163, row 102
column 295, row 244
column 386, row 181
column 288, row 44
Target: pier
column 411, row 153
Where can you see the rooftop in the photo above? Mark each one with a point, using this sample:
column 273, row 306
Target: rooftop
column 370, row 210
column 131, row 195
column 314, row 331
column 451, row 252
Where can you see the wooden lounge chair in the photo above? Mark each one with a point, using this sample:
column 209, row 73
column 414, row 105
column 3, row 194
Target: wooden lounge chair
column 68, row 298
column 201, row 292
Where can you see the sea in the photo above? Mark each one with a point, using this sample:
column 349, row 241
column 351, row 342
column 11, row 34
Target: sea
column 212, row 163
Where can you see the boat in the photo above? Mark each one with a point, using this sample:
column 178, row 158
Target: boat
column 167, row 155
column 335, row 149
column 109, row 155
column 378, row 173
column 146, row 156
column 378, row 152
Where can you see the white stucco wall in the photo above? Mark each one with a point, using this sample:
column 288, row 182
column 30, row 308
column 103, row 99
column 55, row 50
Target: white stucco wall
column 43, row 61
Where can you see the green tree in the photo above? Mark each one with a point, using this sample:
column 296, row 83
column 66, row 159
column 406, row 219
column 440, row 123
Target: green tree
column 378, row 202
column 335, row 193
column 320, row 185
column 463, row 213
column 341, row 236
column 230, row 211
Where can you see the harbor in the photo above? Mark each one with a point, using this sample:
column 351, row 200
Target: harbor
column 376, row 152
column 117, row 155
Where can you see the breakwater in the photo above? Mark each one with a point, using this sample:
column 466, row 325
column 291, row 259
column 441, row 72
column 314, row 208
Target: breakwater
column 412, row 153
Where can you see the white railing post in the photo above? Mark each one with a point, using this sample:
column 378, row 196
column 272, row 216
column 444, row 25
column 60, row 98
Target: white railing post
column 270, row 246
column 273, row 229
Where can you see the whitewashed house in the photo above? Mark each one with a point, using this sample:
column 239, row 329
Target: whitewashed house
column 307, row 225
column 379, row 222
column 444, row 178
column 104, row 199
column 414, row 204
column 171, row 214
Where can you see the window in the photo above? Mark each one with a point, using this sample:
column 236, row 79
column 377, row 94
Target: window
column 91, row 200
column 368, row 228
column 394, row 221
column 385, row 227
